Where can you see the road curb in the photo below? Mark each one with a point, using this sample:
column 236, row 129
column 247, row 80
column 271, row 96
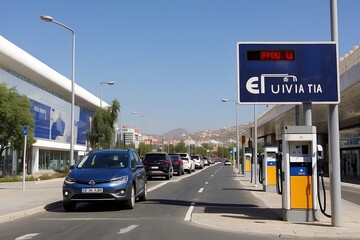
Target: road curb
column 28, row 212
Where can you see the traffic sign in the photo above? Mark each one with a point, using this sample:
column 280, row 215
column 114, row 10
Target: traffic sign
column 287, row 73
column 25, row 130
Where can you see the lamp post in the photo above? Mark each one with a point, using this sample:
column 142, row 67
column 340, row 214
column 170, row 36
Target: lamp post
column 237, row 131
column 102, row 83
column 162, row 136
column 141, row 126
column 51, row 20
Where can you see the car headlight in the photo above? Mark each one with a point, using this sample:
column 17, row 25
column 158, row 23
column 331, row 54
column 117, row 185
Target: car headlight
column 69, row 180
column 120, row 180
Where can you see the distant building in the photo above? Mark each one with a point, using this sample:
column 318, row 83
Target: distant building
column 130, row 136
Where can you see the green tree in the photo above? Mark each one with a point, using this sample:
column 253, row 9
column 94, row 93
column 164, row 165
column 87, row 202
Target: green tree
column 102, row 131
column 223, row 152
column 144, row 148
column 122, row 145
column 170, row 148
column 14, row 114
column 180, row 147
column 203, row 151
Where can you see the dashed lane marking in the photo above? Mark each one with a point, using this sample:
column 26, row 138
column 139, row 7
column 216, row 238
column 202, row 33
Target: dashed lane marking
column 189, row 212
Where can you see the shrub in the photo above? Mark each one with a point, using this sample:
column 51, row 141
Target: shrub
column 45, row 177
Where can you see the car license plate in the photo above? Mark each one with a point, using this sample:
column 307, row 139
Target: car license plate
column 92, row 190
column 154, row 167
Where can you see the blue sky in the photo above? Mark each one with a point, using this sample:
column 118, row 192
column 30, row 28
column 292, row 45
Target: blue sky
column 172, row 60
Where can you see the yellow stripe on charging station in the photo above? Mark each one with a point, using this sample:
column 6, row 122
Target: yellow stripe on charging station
column 301, row 192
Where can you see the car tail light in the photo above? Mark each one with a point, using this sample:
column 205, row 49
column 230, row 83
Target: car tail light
column 145, row 162
column 166, row 161
column 176, row 162
column 185, row 160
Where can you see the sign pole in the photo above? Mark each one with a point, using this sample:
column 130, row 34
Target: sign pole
column 24, row 157
column 334, row 145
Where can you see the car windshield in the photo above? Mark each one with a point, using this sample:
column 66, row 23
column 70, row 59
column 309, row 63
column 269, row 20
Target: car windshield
column 155, row 157
column 104, row 160
column 174, row 157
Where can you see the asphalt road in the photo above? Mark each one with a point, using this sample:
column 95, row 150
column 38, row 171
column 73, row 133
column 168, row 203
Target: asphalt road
column 165, row 215
column 349, row 193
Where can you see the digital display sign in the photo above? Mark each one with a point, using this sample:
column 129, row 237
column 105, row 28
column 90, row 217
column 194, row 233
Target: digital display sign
column 271, row 55
column 287, row 73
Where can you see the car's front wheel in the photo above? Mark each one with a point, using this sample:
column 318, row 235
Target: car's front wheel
column 69, row 206
column 130, row 202
column 143, row 196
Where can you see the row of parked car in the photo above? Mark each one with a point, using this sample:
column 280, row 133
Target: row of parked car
column 121, row 175
column 164, row 164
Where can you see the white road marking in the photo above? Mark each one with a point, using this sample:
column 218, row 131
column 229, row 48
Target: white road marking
column 27, row 236
column 128, row 229
column 201, row 190
column 189, row 212
column 157, row 186
column 88, row 219
column 206, row 183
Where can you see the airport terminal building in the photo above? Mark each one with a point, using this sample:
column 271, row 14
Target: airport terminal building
column 50, row 95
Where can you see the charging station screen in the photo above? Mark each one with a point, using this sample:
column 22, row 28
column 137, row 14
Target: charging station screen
column 271, row 55
column 299, row 153
column 271, row 156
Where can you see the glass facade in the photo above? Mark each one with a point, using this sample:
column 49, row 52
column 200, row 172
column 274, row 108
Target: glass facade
column 350, row 151
column 350, row 138
column 53, row 160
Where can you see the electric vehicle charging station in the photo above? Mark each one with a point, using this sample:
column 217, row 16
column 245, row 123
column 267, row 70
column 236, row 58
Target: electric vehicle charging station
column 295, row 73
column 268, row 169
column 299, row 170
column 247, row 161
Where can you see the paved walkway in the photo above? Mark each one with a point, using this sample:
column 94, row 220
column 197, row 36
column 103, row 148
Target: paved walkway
column 41, row 195
column 37, row 197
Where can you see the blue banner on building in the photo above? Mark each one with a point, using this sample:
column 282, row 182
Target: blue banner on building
column 42, row 119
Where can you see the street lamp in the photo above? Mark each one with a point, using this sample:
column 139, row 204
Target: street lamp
column 162, row 136
column 101, row 83
column 141, row 127
column 51, row 20
column 237, row 131
column 141, row 117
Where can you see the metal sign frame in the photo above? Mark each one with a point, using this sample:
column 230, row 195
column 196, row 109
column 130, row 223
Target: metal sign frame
column 311, row 75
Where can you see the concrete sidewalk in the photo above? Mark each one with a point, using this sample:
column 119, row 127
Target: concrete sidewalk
column 263, row 222
column 37, row 197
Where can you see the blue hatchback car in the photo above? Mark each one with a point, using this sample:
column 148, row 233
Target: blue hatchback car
column 106, row 175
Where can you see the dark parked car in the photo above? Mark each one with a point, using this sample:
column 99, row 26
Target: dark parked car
column 115, row 175
column 158, row 164
column 178, row 164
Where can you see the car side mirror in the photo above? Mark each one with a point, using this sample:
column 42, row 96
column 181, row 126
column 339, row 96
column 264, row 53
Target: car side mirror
column 139, row 165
